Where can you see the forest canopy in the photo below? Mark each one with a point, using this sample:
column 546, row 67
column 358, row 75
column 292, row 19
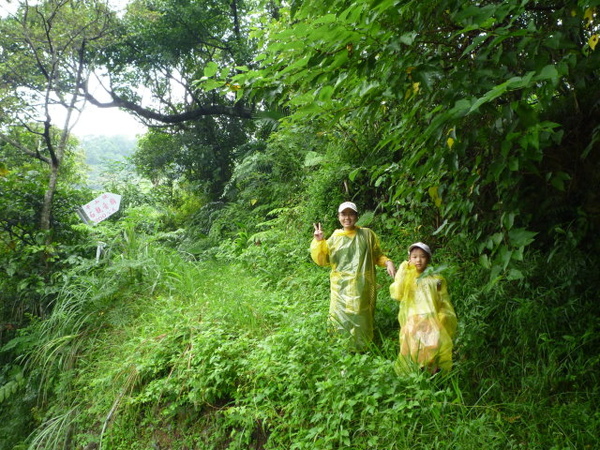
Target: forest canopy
column 469, row 125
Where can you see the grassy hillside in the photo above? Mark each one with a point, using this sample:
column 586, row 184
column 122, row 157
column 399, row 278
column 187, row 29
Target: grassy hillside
column 154, row 349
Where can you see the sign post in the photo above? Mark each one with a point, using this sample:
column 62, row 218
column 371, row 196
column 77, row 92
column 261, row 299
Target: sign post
column 100, row 208
column 97, row 210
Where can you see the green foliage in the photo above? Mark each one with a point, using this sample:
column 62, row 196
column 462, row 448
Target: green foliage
column 119, row 177
column 202, row 154
column 12, row 386
column 99, row 150
column 31, row 265
column 468, row 126
column 455, row 110
column 16, row 403
column 43, row 70
column 151, row 349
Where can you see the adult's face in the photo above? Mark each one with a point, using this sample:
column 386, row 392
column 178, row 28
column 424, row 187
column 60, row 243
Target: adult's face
column 348, row 218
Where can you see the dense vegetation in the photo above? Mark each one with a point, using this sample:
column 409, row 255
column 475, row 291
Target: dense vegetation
column 469, row 125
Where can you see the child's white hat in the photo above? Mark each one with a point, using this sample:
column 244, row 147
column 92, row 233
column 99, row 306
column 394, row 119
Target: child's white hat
column 422, row 246
column 347, row 205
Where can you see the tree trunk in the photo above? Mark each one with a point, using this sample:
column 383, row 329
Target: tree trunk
column 46, row 213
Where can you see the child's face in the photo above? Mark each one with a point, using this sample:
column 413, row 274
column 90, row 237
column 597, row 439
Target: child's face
column 419, row 258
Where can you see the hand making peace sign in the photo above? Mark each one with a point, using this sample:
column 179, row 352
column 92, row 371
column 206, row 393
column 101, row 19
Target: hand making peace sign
column 318, row 231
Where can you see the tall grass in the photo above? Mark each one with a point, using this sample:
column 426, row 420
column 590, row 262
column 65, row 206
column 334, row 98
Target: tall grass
column 152, row 349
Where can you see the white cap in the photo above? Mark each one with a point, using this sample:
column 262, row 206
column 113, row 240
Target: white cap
column 422, row 246
column 347, row 205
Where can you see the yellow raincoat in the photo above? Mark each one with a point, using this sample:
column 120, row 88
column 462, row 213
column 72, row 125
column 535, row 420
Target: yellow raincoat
column 427, row 320
column 352, row 256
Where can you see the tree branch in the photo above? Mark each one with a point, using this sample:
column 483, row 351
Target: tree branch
column 237, row 110
column 24, row 149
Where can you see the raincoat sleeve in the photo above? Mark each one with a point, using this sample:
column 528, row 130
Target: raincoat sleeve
column 319, row 252
column 396, row 288
column 378, row 256
column 446, row 313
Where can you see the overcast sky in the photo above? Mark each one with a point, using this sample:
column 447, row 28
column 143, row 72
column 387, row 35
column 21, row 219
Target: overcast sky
column 107, row 121
column 95, row 121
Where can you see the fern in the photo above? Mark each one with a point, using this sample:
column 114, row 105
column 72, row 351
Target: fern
column 11, row 387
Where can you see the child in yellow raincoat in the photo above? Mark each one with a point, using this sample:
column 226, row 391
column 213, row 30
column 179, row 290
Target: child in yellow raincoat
column 352, row 252
column 427, row 318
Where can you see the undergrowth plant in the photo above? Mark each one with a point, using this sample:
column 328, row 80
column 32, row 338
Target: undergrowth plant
column 151, row 346
column 156, row 350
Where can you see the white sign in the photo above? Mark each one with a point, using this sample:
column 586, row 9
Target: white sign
column 100, row 208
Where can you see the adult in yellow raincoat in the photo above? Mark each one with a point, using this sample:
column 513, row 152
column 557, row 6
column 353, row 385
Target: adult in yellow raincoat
column 427, row 318
column 352, row 253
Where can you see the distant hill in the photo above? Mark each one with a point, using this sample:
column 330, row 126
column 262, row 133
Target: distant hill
column 100, row 150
